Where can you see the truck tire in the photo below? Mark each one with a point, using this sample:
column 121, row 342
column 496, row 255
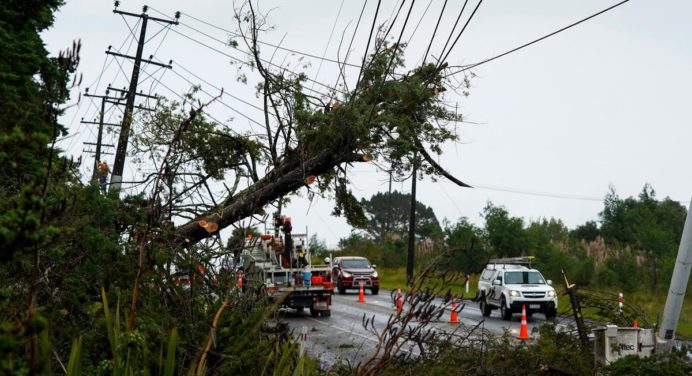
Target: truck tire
column 300, row 309
column 504, row 311
column 375, row 290
column 326, row 313
column 486, row 310
column 314, row 312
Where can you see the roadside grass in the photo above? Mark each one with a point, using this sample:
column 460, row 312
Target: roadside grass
column 650, row 303
column 393, row 278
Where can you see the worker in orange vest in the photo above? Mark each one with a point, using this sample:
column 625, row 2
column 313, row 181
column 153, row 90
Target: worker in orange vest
column 103, row 171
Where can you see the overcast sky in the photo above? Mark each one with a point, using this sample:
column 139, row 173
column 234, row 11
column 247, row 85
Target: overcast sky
column 604, row 103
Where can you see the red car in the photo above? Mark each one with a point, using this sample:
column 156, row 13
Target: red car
column 349, row 271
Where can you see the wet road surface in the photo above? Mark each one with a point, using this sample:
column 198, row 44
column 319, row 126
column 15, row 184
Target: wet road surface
column 342, row 337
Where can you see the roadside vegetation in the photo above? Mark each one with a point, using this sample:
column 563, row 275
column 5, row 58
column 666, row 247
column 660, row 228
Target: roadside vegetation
column 471, row 350
column 631, row 248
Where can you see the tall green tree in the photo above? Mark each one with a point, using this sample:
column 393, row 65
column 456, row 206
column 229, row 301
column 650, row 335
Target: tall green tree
column 388, row 214
column 33, row 88
column 504, row 233
column 470, row 249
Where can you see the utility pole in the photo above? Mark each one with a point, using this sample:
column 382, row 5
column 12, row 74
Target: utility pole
column 121, row 152
column 412, row 224
column 678, row 283
column 99, row 138
column 388, row 226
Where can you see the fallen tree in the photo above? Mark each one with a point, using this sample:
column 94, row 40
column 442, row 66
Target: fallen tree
column 387, row 118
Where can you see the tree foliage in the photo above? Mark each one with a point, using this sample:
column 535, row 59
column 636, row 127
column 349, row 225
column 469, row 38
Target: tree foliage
column 471, row 250
column 388, row 215
column 505, row 234
column 646, row 225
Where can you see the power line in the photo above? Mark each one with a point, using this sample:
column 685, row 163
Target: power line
column 538, row 193
column 471, row 66
column 336, row 20
column 97, row 82
column 215, row 87
column 461, row 32
column 132, row 31
column 348, row 50
column 419, row 22
column 463, row 7
column 367, row 47
column 434, row 31
column 246, row 53
column 206, row 113
column 391, row 60
column 246, row 63
column 212, row 96
column 264, row 43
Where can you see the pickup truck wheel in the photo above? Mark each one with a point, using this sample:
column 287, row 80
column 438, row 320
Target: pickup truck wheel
column 299, row 309
column 340, row 287
column 504, row 311
column 375, row 290
column 326, row 313
column 314, row 312
column 486, row 309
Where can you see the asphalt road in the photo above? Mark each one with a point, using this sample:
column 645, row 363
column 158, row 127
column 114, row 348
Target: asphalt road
column 342, row 337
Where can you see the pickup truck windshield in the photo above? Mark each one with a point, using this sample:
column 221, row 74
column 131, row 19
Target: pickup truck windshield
column 355, row 264
column 523, row 278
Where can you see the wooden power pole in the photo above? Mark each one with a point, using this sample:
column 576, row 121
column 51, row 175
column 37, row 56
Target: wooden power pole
column 121, row 151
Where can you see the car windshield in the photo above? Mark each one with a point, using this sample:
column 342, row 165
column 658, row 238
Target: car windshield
column 355, row 264
column 523, row 278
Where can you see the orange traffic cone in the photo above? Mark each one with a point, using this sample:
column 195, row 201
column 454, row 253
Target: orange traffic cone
column 399, row 302
column 240, row 280
column 524, row 331
column 635, row 324
column 361, row 295
column 453, row 319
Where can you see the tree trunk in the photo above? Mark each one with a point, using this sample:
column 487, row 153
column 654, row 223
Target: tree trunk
column 284, row 179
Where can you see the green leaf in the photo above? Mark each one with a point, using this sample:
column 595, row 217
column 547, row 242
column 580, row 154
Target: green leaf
column 74, row 366
column 109, row 326
column 170, row 356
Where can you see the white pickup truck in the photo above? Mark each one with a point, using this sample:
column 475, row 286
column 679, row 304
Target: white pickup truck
column 509, row 284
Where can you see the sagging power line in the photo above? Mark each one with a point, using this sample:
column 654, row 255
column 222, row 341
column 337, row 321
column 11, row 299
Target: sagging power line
column 471, row 66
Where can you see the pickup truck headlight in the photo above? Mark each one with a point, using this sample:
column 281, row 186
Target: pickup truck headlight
column 346, row 274
column 374, row 274
column 514, row 293
column 551, row 294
